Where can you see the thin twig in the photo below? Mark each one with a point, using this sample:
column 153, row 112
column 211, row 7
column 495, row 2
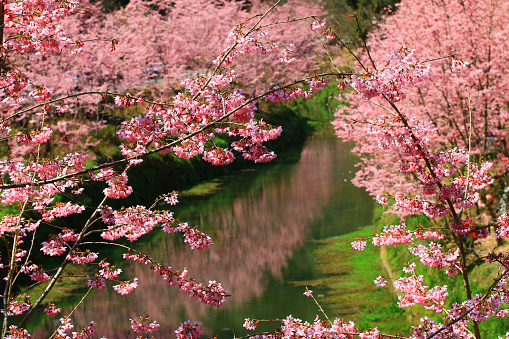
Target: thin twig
column 61, row 269
column 73, row 310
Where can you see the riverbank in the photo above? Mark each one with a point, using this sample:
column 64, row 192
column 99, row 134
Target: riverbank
column 350, row 293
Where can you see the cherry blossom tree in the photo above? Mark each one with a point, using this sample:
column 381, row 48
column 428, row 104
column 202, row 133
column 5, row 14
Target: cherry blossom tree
column 152, row 50
column 468, row 107
column 432, row 110
column 160, row 43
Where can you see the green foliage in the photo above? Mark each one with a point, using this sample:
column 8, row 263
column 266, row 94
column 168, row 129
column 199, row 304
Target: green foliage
column 320, row 108
column 338, row 11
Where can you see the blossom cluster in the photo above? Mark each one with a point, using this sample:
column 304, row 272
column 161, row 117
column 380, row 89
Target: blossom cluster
column 211, row 294
column 211, row 105
column 31, row 26
column 51, row 310
column 403, row 69
column 189, row 329
column 289, row 94
column 298, row 329
column 479, row 308
column 143, row 325
column 432, row 256
column 437, row 172
column 244, row 44
column 16, row 307
column 87, row 332
column 126, row 287
column 133, row 222
column 393, row 235
column 416, row 292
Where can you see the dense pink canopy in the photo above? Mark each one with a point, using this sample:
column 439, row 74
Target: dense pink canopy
column 474, row 32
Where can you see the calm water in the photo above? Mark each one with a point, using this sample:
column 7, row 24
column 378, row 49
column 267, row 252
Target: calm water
column 263, row 223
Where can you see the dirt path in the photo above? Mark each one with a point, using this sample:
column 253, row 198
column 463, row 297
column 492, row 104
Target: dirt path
column 388, row 269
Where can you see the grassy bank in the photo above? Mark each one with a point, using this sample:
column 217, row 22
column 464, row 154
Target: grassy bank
column 352, row 295
column 349, row 276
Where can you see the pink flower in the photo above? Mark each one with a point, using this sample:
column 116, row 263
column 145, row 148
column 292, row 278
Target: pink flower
column 40, row 276
column 126, row 287
column 82, row 258
column 250, row 324
column 41, row 136
column 62, row 109
column 197, row 240
column 87, row 332
column 68, row 235
column 126, row 100
column 393, row 235
column 41, row 93
column 359, row 245
column 410, row 268
column 402, row 70
column 382, row 200
column 17, row 333
column 371, row 334
column 315, row 26
column 457, row 65
column 98, row 282
column 17, row 307
column 62, row 210
column 380, row 281
column 65, row 325
column 308, row 292
column 53, row 247
column 189, row 330
column 51, row 310
column 110, row 273
column 143, row 325
column 172, row 199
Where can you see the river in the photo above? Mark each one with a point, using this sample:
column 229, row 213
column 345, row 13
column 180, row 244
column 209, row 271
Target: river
column 264, row 223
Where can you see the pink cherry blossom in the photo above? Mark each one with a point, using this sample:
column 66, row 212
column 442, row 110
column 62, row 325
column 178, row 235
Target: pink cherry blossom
column 53, row 247
column 17, row 333
column 189, row 330
column 51, row 310
column 97, row 282
column 359, row 245
column 250, row 324
column 82, row 258
column 40, row 276
column 143, row 325
column 316, row 26
column 393, row 235
column 380, row 281
column 308, row 293
column 126, row 287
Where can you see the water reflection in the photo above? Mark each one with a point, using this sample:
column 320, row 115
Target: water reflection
column 262, row 224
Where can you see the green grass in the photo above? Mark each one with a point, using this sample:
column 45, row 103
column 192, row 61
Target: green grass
column 205, row 188
column 349, row 276
column 320, row 108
